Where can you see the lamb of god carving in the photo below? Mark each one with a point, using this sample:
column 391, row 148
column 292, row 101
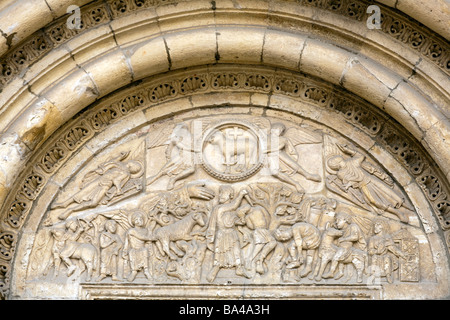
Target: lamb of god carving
column 232, row 199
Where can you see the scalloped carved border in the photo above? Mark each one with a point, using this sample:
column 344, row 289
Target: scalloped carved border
column 218, row 79
column 408, row 32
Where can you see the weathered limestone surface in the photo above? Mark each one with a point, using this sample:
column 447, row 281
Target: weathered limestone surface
column 145, row 89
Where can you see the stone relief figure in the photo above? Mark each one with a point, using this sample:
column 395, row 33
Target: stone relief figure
column 290, row 212
column 222, row 236
column 268, row 231
column 101, row 185
column 188, row 268
column 264, row 237
column 66, row 247
column 110, row 246
column 239, row 152
column 383, row 252
column 176, row 232
column 135, row 251
column 350, row 247
column 283, row 158
column 368, row 184
column 305, row 240
column 165, row 207
column 284, row 205
column 179, row 156
column 257, row 219
column 176, row 223
column 59, row 241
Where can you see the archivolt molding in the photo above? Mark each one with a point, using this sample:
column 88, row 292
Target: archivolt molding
column 426, row 43
column 430, row 13
column 124, row 53
column 56, row 72
column 263, row 88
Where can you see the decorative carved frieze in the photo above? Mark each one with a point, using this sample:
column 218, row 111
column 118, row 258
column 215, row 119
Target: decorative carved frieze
column 229, row 198
column 416, row 36
column 239, row 197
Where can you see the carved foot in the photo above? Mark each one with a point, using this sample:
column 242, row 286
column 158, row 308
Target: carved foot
column 260, row 267
column 305, row 271
column 314, row 177
column 360, row 278
column 56, row 206
column 147, row 274
column 403, row 218
column 212, row 274
column 170, row 184
column 71, row 270
column 299, row 188
column 101, row 277
column 339, row 275
column 240, row 271
column 64, row 215
column 132, row 276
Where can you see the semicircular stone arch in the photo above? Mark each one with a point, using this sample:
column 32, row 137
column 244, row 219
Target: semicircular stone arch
column 172, row 116
column 65, row 182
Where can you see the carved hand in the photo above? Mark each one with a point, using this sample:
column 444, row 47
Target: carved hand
column 388, row 180
column 346, row 149
column 198, row 190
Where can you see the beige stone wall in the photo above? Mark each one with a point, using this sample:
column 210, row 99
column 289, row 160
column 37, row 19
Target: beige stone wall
column 400, row 72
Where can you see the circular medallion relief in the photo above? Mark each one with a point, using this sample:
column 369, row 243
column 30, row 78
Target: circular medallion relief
column 232, row 151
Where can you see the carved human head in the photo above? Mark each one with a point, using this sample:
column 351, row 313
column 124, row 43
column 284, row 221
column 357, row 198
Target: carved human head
column 226, row 193
column 111, row 226
column 335, row 162
column 380, row 226
column 283, row 233
column 137, row 219
column 343, row 216
column 180, row 132
column 134, row 166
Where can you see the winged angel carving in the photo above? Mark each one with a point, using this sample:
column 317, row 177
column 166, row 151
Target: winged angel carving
column 179, row 154
column 279, row 144
column 282, row 156
column 100, row 186
column 353, row 177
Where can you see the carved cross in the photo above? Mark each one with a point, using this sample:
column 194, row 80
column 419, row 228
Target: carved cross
column 235, row 133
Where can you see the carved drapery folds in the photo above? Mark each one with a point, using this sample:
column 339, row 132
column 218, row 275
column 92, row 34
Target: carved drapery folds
column 237, row 197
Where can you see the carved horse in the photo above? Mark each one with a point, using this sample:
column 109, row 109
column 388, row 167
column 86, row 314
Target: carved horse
column 85, row 252
column 328, row 249
column 177, row 231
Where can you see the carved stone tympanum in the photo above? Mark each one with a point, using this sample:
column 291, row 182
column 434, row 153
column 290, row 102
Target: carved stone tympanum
column 230, row 199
